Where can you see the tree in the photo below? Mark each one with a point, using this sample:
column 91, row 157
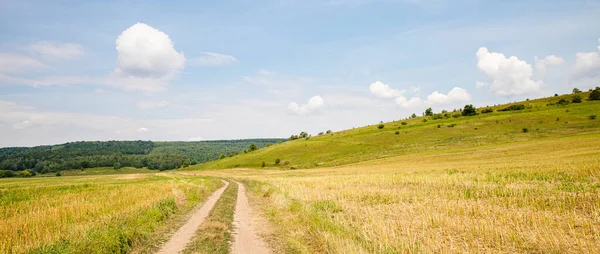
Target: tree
column 277, row 161
column 264, row 164
column 576, row 99
column 429, row 112
column 413, row 115
column 303, row 134
column 185, row 164
column 576, row 90
column 328, row 131
column 595, row 95
column 252, row 147
column 117, row 165
column 222, row 156
column 469, row 110
column 380, row 126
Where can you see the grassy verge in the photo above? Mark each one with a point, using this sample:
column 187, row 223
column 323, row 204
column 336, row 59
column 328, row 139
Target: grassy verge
column 93, row 214
column 214, row 235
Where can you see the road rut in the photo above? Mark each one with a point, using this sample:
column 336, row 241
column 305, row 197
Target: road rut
column 245, row 240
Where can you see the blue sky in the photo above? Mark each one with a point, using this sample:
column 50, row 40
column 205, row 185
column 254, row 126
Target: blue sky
column 200, row 70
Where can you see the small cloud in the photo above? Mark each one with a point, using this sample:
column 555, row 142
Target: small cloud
column 412, row 103
column 541, row 64
column 314, row 103
column 152, row 104
column 265, row 72
column 59, row 51
column 382, row 90
column 142, row 129
column 22, row 125
column 215, row 59
column 480, row 84
column 508, row 76
column 16, row 63
column 457, row 94
column 587, row 65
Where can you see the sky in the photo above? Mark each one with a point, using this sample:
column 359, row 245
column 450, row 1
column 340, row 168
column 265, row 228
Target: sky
column 207, row 70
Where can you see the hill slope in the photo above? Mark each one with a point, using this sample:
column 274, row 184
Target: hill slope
column 542, row 118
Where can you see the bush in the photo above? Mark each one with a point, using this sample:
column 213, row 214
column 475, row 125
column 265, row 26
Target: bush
column 277, row 161
column 525, row 130
column 576, row 99
column 263, row 164
column 438, row 116
column 328, row 131
column 222, row 156
column 380, row 126
column 563, row 102
column 413, row 115
column 439, row 126
column 6, row 173
column 592, row 117
column 469, row 110
column 456, row 115
column 424, row 120
column 252, row 147
column 293, row 137
column 576, row 90
column 513, row 107
column 595, row 95
column 117, row 165
column 397, row 132
column 58, row 174
column 451, row 125
column 404, row 123
column 487, row 110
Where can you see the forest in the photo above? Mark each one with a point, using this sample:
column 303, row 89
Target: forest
column 117, row 154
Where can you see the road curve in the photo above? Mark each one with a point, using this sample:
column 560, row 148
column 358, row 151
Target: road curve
column 245, row 238
column 181, row 238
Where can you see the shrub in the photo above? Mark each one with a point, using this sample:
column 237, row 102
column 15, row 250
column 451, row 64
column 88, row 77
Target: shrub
column 451, row 125
column 293, row 137
column 404, row 123
column 438, row 116
column 469, row 110
column 592, row 117
column 563, row 102
column 263, row 164
column 380, row 126
column 26, row 173
column 513, row 107
column 413, row 115
column 595, row 95
column 424, row 120
column 525, row 130
column 277, row 161
column 6, row 173
column 555, row 95
column 252, row 147
column 58, row 174
column 397, row 132
column 320, row 133
column 456, row 115
column 576, row 99
column 576, row 90
column 222, row 156
column 328, row 131
column 487, row 110
column 439, row 126
column 303, row 134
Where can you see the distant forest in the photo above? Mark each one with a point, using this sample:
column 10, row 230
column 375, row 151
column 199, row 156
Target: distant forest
column 139, row 154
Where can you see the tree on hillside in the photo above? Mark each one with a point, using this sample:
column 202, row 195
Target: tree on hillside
column 328, row 131
column 413, row 115
column 469, row 110
column 429, row 112
column 252, row 147
column 595, row 95
column 303, row 134
column 222, row 156
column 576, row 90
column 117, row 165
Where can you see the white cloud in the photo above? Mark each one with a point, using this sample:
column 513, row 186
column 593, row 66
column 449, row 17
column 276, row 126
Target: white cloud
column 51, row 50
column 587, row 65
column 508, row 76
column 412, row 103
column 457, row 94
column 142, row 129
column 152, row 104
column 22, row 125
column 215, row 59
column 382, row 90
column 314, row 103
column 479, row 84
column 16, row 63
column 146, row 60
column 541, row 64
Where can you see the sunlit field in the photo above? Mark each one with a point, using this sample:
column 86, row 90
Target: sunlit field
column 92, row 214
column 541, row 196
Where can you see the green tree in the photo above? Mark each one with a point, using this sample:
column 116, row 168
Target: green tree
column 263, row 164
column 277, row 161
column 429, row 112
column 328, row 131
column 222, row 156
column 469, row 110
column 595, row 95
column 303, row 134
column 252, row 147
column 117, row 165
column 576, row 90
column 576, row 99
column 413, row 115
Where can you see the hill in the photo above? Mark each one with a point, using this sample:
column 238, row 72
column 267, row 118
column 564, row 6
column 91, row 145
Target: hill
column 138, row 154
column 551, row 117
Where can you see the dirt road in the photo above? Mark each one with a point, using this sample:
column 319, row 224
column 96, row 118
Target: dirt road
column 245, row 238
column 180, row 239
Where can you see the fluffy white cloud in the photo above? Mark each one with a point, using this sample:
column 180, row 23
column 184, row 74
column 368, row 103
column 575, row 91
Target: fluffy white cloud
column 479, row 84
column 587, row 65
column 382, row 90
column 16, row 63
column 152, row 104
column 215, row 59
column 541, row 64
column 314, row 103
column 146, row 60
column 457, row 94
column 411, row 103
column 508, row 76
column 51, row 50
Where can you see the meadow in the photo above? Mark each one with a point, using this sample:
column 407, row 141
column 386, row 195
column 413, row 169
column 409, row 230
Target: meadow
column 93, row 214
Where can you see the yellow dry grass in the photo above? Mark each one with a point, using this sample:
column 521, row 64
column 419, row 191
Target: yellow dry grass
column 539, row 196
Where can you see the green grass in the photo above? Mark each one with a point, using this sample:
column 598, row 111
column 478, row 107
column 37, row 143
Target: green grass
column 370, row 142
column 214, row 235
column 102, row 171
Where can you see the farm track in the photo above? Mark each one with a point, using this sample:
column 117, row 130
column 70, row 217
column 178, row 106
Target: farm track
column 245, row 240
column 183, row 236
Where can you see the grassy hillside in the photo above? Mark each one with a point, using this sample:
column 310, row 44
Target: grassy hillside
column 541, row 117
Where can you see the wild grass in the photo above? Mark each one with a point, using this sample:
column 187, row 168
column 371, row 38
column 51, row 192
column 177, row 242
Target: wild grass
column 541, row 196
column 92, row 214
column 214, row 235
